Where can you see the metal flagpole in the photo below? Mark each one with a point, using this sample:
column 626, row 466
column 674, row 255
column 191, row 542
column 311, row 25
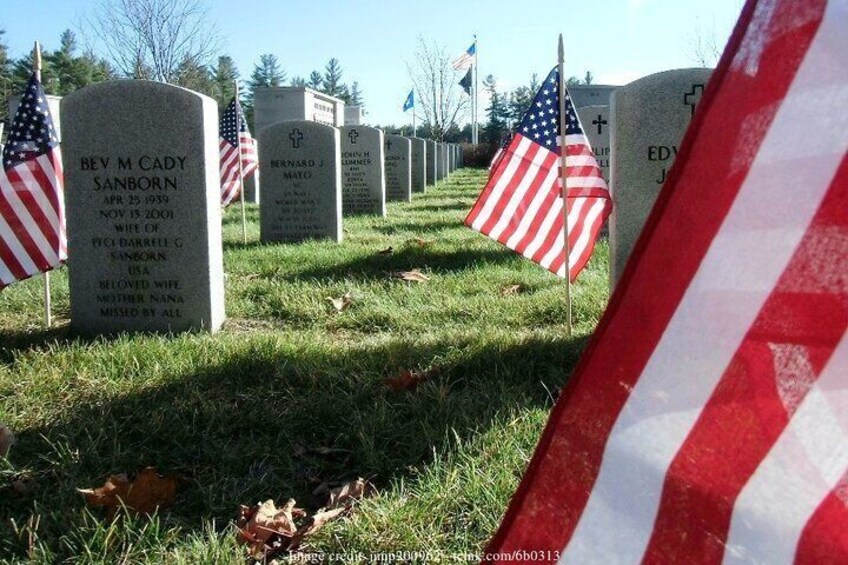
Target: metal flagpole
column 475, row 135
column 48, row 306
column 564, row 177
column 414, row 127
column 241, row 167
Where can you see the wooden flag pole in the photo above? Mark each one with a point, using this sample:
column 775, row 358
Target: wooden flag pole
column 562, row 129
column 48, row 303
column 240, row 165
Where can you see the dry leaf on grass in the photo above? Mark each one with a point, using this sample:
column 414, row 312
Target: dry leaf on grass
column 415, row 275
column 7, row 439
column 313, row 524
column 345, row 495
column 423, row 242
column 387, row 251
column 143, row 494
column 342, row 303
column 511, row 289
column 407, row 380
column 267, row 529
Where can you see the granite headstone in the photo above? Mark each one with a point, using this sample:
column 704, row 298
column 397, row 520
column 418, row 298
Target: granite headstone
column 595, row 122
column 432, row 163
column 648, row 120
column 142, row 193
column 300, row 164
column 398, row 168
column 419, row 164
column 363, row 171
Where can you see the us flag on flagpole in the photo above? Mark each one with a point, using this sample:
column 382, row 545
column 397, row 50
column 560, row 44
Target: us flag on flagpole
column 707, row 421
column 235, row 135
column 32, row 206
column 521, row 205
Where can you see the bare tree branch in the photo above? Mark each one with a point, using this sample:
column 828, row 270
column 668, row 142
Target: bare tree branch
column 436, row 87
column 152, row 38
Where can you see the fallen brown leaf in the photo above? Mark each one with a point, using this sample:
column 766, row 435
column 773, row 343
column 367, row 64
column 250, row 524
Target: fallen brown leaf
column 415, row 275
column 387, row 251
column 511, row 289
column 407, row 380
column 313, row 524
column 266, row 528
column 143, row 494
column 7, row 439
column 422, row 242
column 342, row 303
column 345, row 495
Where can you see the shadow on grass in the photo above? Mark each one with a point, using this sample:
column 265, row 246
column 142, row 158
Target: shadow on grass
column 276, row 420
column 376, row 266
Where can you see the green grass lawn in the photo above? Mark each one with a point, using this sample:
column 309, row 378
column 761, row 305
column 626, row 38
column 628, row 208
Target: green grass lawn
column 237, row 412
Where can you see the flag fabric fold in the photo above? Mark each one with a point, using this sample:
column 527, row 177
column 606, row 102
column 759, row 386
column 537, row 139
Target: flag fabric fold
column 521, row 204
column 32, row 207
column 707, row 420
column 467, row 59
column 466, row 82
column 234, row 141
column 410, row 101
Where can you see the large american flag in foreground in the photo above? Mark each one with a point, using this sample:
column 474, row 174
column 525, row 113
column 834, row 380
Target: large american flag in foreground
column 521, row 204
column 707, row 421
column 32, row 206
column 235, row 135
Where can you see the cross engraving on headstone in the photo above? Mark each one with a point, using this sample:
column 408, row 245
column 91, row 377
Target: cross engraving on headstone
column 692, row 98
column 388, row 144
column 296, row 137
column 353, row 135
column 600, row 122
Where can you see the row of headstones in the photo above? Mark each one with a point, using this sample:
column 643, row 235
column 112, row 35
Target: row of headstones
column 142, row 190
column 142, row 198
column 313, row 174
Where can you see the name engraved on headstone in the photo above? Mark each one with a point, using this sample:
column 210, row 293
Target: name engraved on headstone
column 142, row 197
column 398, row 168
column 301, row 176
column 363, row 170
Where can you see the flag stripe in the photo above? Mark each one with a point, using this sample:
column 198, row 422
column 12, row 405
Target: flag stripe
column 778, row 375
column 756, row 259
column 825, row 537
column 528, row 168
column 802, row 468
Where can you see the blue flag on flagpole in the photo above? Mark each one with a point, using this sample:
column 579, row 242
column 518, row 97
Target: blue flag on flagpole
column 410, row 101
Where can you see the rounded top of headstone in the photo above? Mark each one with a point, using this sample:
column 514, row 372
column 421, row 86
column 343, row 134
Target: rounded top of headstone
column 123, row 88
column 361, row 128
column 666, row 77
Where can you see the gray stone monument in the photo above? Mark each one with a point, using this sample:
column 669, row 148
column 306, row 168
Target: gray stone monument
column 443, row 161
column 419, row 164
column 300, row 164
column 432, row 163
column 363, row 171
column 648, row 120
column 142, row 193
column 398, row 168
column 595, row 122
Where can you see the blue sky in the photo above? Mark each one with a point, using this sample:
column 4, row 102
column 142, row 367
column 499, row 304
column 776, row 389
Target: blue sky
column 618, row 40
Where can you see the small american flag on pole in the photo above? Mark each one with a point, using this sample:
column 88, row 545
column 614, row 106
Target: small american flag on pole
column 467, row 59
column 234, row 134
column 521, row 205
column 32, row 207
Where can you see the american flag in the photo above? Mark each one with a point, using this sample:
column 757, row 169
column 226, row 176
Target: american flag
column 32, row 206
column 467, row 59
column 707, row 421
column 521, row 205
column 234, row 134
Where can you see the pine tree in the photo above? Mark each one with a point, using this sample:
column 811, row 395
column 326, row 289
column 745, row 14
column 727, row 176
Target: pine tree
column 267, row 73
column 196, row 77
column 298, row 81
column 225, row 76
column 333, row 78
column 5, row 78
column 316, row 81
column 356, row 95
column 496, row 129
column 588, row 78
